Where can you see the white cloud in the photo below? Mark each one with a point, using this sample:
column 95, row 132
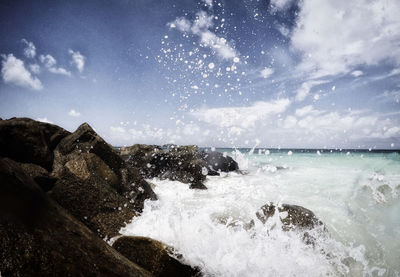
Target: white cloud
column 266, row 72
column 14, row 72
column 305, row 89
column 335, row 36
column 48, row 60
column 59, row 70
column 357, row 73
column 242, row 117
column 30, row 49
column 304, row 111
column 44, row 119
column 208, row 2
column 34, row 68
column 201, row 28
column 74, row 113
column 290, row 122
column 50, row 63
column 281, row 4
column 190, row 129
column 143, row 134
column 274, row 124
column 182, row 24
column 78, row 60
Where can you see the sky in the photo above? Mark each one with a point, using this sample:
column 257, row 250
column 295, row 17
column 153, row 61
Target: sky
column 223, row 73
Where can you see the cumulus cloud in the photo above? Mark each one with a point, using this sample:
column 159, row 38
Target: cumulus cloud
column 30, row 49
column 303, row 127
column 50, row 63
column 78, row 60
column 200, row 27
column 336, row 36
column 74, row 113
column 34, row 68
column 14, row 72
column 242, row 117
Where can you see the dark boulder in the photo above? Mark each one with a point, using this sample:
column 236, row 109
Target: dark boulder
column 40, row 175
column 140, row 156
column 180, row 163
column 95, row 184
column 153, row 256
column 217, row 161
column 29, row 141
column 39, row 238
column 183, row 162
column 20, row 196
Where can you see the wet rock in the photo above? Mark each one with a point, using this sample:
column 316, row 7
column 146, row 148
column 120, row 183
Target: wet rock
column 293, row 216
column 39, row 238
column 29, row 141
column 154, row 256
column 95, row 184
column 297, row 218
column 180, row 163
column 197, row 186
column 217, row 161
column 140, row 156
column 184, row 162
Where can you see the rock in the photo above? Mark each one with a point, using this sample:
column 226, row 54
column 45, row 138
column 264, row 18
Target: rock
column 184, row 163
column 154, row 256
column 181, row 163
column 217, row 161
column 40, row 175
column 29, row 141
column 95, row 184
column 197, row 186
column 297, row 216
column 20, row 196
column 39, row 238
column 140, row 156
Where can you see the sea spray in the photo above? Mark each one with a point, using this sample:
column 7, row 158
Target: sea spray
column 210, row 228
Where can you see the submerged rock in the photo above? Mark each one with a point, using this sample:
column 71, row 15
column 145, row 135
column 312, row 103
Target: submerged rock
column 294, row 217
column 39, row 238
column 154, row 256
column 297, row 218
column 216, row 161
column 95, row 184
column 29, row 141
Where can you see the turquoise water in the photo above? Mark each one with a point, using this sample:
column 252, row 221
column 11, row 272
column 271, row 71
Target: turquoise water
column 355, row 193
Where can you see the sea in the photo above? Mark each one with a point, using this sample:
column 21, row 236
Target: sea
column 355, row 193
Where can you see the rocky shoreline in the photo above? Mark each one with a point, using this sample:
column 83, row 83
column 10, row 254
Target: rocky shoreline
column 63, row 194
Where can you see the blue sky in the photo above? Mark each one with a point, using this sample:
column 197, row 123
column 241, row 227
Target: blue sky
column 279, row 73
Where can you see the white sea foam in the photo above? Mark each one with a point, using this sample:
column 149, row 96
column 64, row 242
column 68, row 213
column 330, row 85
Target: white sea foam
column 210, row 227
